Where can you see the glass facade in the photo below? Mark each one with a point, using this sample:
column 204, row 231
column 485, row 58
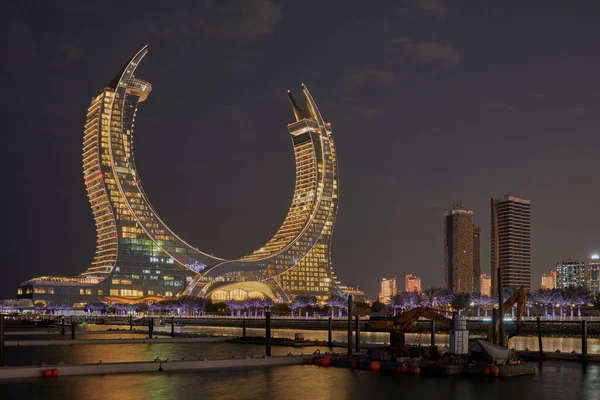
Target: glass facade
column 137, row 256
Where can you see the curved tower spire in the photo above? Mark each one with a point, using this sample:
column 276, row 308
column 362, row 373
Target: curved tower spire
column 297, row 260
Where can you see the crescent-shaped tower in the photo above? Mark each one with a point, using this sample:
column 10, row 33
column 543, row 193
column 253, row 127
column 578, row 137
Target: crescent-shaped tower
column 139, row 258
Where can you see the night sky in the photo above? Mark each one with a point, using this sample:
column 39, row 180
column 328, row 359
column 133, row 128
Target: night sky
column 430, row 102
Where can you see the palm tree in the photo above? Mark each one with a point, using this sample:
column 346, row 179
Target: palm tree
column 583, row 298
column 482, row 301
column 299, row 303
column 334, row 302
column 461, row 301
column 397, row 303
column 545, row 297
column 435, row 297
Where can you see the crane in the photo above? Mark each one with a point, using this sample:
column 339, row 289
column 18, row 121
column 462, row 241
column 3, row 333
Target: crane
column 398, row 326
column 520, row 299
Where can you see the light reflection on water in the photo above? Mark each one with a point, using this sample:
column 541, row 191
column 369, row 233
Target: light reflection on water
column 518, row 342
column 555, row 381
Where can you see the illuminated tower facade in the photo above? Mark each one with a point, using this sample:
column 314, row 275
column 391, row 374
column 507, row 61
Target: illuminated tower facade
column 593, row 275
column 570, row 273
column 510, row 242
column 458, row 250
column 139, row 258
column 477, row 247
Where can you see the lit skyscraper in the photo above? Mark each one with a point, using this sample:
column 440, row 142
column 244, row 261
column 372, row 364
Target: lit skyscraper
column 412, row 283
column 486, row 285
column 139, row 258
column 570, row 273
column 593, row 275
column 477, row 247
column 510, row 242
column 549, row 280
column 388, row 289
column 458, row 250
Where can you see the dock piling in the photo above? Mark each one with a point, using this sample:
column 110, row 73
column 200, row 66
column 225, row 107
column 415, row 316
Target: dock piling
column 130, row 322
column 432, row 333
column 62, row 326
column 584, row 340
column 329, row 334
column 150, row 328
column 349, row 325
column 501, row 341
column 1, row 340
column 72, row 329
column 268, row 332
column 172, row 326
column 539, row 335
column 357, row 334
column 244, row 327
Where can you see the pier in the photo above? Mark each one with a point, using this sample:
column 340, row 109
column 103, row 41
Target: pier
column 156, row 366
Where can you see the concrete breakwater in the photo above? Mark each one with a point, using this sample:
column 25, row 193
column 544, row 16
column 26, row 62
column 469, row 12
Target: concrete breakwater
column 529, row 327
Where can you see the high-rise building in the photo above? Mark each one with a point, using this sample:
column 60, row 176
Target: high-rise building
column 510, row 242
column 593, row 275
column 388, row 289
column 486, row 285
column 549, row 280
column 477, row 247
column 458, row 250
column 138, row 257
column 570, row 273
column 412, row 283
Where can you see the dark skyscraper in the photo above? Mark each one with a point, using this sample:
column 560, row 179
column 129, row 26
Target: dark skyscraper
column 476, row 259
column 510, row 242
column 458, row 250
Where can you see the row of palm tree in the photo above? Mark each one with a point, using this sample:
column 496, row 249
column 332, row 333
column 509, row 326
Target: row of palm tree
column 439, row 298
column 251, row 306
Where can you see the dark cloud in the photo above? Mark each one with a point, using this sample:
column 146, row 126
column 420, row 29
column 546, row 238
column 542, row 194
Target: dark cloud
column 367, row 75
column 438, row 7
column 243, row 20
column 427, row 52
column 366, row 113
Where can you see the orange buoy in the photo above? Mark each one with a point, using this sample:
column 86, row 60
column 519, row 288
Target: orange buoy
column 398, row 369
column 310, row 361
column 54, row 372
column 353, row 365
column 317, row 361
column 439, row 362
column 321, row 343
column 417, row 371
column 375, row 366
column 412, row 370
column 326, row 361
column 404, row 368
column 486, row 370
column 495, row 370
column 47, row 373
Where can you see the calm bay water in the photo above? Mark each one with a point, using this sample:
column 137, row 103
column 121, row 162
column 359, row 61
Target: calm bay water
column 555, row 380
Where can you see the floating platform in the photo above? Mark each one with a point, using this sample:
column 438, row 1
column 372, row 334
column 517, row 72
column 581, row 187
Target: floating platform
column 148, row 366
column 429, row 368
column 69, row 342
